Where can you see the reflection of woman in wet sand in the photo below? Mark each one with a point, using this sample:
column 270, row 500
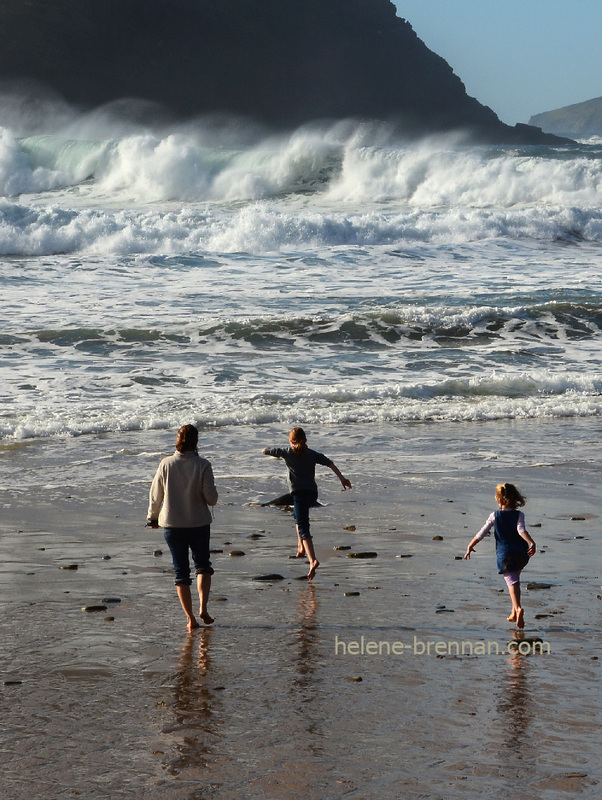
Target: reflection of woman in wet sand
column 181, row 493
column 301, row 463
column 513, row 544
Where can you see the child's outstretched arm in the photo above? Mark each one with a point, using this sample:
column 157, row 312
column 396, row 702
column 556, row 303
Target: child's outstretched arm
column 346, row 483
column 471, row 546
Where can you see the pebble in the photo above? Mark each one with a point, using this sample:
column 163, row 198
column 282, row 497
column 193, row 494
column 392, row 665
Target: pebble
column 577, row 519
column 273, row 576
column 342, row 547
column 106, row 558
column 158, row 553
column 356, row 678
column 12, row 682
column 438, row 538
column 94, row 608
column 237, row 553
column 404, row 555
column 533, row 586
column 362, row 555
column 352, row 594
column 69, row 566
column 349, row 528
column 111, row 600
column 109, row 619
column 256, row 536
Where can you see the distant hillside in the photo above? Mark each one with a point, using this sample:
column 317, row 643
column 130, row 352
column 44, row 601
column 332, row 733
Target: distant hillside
column 281, row 62
column 580, row 121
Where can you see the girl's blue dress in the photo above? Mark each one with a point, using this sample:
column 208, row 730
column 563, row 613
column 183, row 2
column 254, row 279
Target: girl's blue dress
column 511, row 548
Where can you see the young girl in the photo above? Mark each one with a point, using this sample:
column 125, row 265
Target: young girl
column 301, row 463
column 513, row 544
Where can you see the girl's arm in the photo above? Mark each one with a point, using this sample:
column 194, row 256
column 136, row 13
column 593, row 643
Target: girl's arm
column 471, row 546
column 485, row 531
column 522, row 531
column 340, row 476
column 530, row 542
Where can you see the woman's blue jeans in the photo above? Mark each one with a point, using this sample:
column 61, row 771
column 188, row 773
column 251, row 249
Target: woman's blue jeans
column 302, row 502
column 180, row 541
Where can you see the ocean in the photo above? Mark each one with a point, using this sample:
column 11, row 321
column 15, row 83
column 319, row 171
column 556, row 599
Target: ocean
column 431, row 313
column 206, row 272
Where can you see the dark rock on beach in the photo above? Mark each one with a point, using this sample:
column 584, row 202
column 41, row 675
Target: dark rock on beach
column 362, row 555
column 282, row 63
column 273, row 576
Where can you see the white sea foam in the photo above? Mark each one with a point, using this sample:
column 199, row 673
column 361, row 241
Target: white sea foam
column 154, row 273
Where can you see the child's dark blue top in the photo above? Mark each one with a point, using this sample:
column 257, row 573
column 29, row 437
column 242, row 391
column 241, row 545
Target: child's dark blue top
column 511, row 548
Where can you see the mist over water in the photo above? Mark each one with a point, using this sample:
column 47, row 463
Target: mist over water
column 152, row 271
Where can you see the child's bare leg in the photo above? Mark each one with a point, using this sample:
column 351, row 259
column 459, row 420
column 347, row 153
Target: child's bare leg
column 300, row 549
column 518, row 614
column 185, row 596
column 313, row 561
column 204, row 586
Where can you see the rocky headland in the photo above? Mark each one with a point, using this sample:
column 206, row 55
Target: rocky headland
column 280, row 62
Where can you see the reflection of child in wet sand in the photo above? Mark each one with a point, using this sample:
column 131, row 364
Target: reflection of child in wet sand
column 513, row 544
column 301, row 463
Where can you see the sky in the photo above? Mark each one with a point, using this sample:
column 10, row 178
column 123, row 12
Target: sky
column 519, row 57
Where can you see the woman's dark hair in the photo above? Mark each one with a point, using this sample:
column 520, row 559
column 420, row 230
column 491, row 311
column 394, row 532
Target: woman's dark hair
column 187, row 440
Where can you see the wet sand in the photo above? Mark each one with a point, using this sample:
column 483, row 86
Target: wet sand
column 373, row 681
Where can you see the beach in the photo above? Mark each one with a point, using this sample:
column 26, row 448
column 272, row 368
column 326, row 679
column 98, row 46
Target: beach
column 386, row 677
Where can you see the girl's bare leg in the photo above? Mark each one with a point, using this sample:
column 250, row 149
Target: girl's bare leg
column 518, row 613
column 313, row 561
column 185, row 596
column 204, row 587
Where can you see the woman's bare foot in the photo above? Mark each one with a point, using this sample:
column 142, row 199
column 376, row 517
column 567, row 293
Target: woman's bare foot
column 520, row 618
column 512, row 617
column 206, row 617
column 312, row 569
column 192, row 624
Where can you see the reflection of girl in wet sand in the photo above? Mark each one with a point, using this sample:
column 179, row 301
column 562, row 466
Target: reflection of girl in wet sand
column 513, row 544
column 301, row 463
column 182, row 490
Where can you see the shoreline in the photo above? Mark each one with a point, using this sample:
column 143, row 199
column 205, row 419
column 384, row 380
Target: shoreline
column 261, row 703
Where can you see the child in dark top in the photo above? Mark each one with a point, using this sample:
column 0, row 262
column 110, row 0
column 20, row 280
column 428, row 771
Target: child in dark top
column 301, row 463
column 513, row 544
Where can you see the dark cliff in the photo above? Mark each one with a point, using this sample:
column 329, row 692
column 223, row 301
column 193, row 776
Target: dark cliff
column 580, row 120
column 281, row 62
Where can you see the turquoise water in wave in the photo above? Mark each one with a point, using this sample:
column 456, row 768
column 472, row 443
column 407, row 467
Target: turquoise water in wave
column 333, row 275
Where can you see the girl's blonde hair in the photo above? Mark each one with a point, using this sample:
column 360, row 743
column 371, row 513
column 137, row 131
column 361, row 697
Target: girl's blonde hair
column 298, row 441
column 508, row 495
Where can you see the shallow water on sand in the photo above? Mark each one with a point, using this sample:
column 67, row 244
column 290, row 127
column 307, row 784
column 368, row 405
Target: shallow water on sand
column 268, row 701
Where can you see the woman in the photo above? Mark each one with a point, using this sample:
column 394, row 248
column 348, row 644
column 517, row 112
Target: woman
column 181, row 493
